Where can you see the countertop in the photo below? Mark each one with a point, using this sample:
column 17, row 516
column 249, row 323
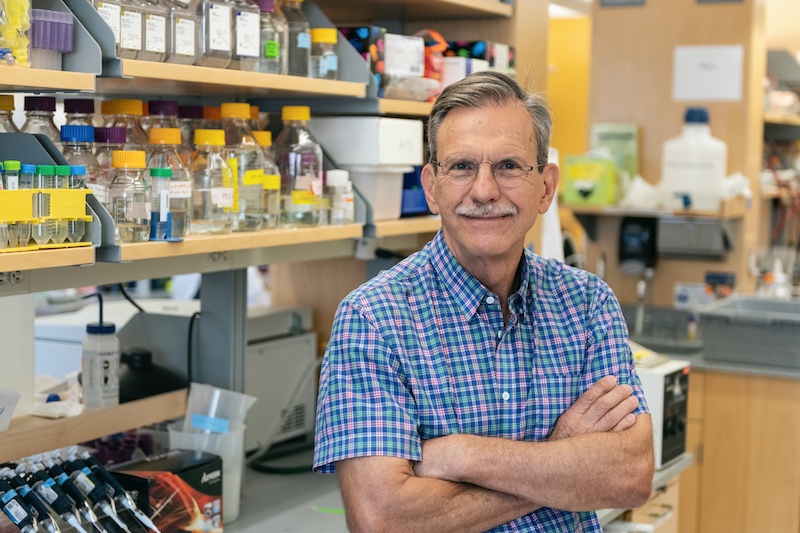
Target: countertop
column 699, row 362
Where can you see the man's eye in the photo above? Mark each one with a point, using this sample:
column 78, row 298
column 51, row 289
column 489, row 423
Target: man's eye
column 460, row 166
column 508, row 165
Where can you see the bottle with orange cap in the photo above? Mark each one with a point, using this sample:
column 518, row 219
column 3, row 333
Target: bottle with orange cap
column 126, row 113
column 212, row 185
column 246, row 160
column 164, row 143
column 272, row 181
column 6, row 108
column 299, row 159
column 129, row 197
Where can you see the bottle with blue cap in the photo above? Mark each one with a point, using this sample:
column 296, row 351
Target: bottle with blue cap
column 693, row 166
column 100, row 364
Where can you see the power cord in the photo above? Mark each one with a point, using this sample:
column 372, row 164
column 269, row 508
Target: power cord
column 127, row 297
column 189, row 356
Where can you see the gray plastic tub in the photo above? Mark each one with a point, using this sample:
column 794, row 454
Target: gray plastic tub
column 746, row 329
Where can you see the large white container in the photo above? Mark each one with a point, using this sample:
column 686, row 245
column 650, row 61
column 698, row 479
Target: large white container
column 370, row 140
column 382, row 186
column 693, row 166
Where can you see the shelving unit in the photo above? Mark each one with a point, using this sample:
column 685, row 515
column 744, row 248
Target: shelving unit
column 39, row 259
column 343, row 10
column 404, row 108
column 730, row 209
column 407, row 226
column 34, row 80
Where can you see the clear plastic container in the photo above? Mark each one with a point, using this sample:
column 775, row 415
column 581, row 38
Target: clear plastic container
column 154, row 46
column 129, row 197
column 161, row 114
column 131, row 29
column 272, row 181
column 126, row 114
column 273, row 43
column 190, row 118
column 79, row 111
column 107, row 141
column 39, row 117
column 161, row 216
column 59, row 228
column 324, row 63
column 246, row 160
column 76, row 229
column 212, row 193
column 693, row 166
column 44, row 178
column 164, row 143
column 299, row 37
column 27, row 174
column 339, row 190
column 6, row 110
column 110, row 11
column 299, row 159
column 100, row 362
column 10, row 172
column 247, row 32
column 183, row 28
column 216, row 33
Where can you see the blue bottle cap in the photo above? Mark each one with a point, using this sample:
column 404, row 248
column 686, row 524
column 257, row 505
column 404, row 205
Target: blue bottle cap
column 101, row 329
column 77, row 133
column 696, row 115
column 28, row 169
column 77, row 170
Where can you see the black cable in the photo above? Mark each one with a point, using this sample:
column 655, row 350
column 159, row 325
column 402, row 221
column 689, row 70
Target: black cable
column 261, row 466
column 189, row 346
column 127, row 297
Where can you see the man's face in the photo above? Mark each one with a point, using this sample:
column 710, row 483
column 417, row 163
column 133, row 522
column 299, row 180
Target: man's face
column 484, row 221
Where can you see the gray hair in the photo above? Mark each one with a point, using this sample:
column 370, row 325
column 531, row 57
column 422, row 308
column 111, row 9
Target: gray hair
column 492, row 88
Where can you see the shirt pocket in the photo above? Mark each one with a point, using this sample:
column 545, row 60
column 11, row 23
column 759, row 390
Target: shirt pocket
column 550, row 394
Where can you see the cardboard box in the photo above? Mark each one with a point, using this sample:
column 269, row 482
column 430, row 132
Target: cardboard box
column 369, row 42
column 499, row 56
column 404, row 55
column 370, row 140
column 181, row 489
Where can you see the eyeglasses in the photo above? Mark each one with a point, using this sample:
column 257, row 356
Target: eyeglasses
column 462, row 170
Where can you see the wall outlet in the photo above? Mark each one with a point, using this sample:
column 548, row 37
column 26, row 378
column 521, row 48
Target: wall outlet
column 13, row 282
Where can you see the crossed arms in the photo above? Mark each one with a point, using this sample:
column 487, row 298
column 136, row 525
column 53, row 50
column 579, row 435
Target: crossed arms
column 599, row 455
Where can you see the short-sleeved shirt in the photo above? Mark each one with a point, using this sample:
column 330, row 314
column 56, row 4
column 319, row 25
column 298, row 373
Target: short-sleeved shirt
column 421, row 351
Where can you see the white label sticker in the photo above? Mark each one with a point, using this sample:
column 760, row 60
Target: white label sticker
column 12, row 183
column 131, row 30
column 184, row 37
column 110, row 14
column 180, row 189
column 99, row 191
column 222, row 196
column 248, row 32
column 219, row 27
column 156, row 34
column 163, row 206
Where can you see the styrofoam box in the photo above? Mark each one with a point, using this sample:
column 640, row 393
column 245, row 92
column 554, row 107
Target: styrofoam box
column 370, row 140
column 383, row 188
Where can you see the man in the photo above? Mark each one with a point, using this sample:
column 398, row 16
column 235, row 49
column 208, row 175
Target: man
column 476, row 386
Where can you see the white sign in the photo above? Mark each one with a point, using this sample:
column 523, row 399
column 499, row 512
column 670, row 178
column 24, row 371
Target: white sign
column 709, row 73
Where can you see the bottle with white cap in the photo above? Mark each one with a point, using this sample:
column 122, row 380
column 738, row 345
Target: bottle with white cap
column 339, row 190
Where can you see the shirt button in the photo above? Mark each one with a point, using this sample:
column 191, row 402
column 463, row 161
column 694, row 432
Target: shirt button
column 490, row 300
column 506, row 396
column 499, row 333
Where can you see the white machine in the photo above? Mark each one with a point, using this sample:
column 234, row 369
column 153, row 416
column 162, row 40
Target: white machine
column 280, row 358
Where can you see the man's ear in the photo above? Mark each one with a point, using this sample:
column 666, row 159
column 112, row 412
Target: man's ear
column 550, row 174
column 428, row 180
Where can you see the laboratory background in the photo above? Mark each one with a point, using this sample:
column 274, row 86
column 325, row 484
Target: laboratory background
column 190, row 188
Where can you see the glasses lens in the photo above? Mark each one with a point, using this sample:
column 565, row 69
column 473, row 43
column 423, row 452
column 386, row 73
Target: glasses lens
column 509, row 172
column 460, row 169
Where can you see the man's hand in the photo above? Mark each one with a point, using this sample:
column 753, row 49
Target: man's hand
column 604, row 407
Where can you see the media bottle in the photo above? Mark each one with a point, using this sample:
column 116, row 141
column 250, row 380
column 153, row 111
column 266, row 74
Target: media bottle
column 100, row 364
column 129, row 197
column 190, row 118
column 299, row 48
column 164, row 143
column 6, row 109
column 183, row 26
column 39, row 117
column 212, row 120
column 247, row 32
column 299, row 159
column 246, row 160
column 126, row 113
column 272, row 181
column 273, row 58
column 693, row 166
column 212, row 185
column 216, row 33
column 79, row 111
column 324, row 63
column 107, row 140
column 161, row 114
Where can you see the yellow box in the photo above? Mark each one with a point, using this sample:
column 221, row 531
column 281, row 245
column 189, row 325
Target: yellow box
column 589, row 180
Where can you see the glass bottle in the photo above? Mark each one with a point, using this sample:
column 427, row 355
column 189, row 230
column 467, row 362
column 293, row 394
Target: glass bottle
column 246, row 160
column 324, row 63
column 106, row 107
column 182, row 29
column 216, row 33
column 164, row 143
column 212, row 180
column 299, row 159
column 79, row 111
column 247, row 32
column 162, row 114
column 131, row 29
column 255, row 118
column 107, row 140
column 39, row 117
column 43, row 179
column 129, row 197
column 211, row 117
column 190, row 118
column 6, row 109
column 299, row 37
column 78, row 141
column 274, row 38
column 154, row 46
column 127, row 114
column 272, row 181
column 339, row 189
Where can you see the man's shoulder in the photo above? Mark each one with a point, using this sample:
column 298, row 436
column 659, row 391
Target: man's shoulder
column 411, row 275
column 553, row 277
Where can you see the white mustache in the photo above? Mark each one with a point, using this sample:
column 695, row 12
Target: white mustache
column 486, row 210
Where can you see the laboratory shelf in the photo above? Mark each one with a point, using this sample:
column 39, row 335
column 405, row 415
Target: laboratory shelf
column 30, row 435
column 52, row 258
column 781, row 119
column 407, row 226
column 41, row 80
column 731, row 209
column 341, row 10
column 151, row 78
column 406, row 108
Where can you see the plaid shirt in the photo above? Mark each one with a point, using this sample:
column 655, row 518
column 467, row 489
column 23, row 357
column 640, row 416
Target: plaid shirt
column 421, row 352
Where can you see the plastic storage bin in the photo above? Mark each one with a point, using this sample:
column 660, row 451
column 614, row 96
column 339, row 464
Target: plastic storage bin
column 752, row 330
column 382, row 185
column 370, row 140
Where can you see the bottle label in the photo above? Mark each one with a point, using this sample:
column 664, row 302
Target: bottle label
column 12, row 183
column 110, row 14
column 137, row 210
column 304, row 40
column 272, row 49
column 253, row 177
column 14, row 510
column 84, row 483
column 210, row 423
column 163, row 206
column 330, row 63
column 131, row 30
column 156, row 34
column 219, row 27
column 180, row 189
column 248, row 28
column 46, row 492
column 99, row 191
column 184, row 37
column 272, row 182
column 222, row 197
column 304, row 198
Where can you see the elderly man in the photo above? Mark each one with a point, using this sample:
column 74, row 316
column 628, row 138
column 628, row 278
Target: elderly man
column 476, row 386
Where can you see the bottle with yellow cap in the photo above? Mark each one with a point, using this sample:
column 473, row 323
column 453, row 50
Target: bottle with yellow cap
column 126, row 113
column 6, row 109
column 324, row 63
column 272, row 181
column 299, row 159
column 129, row 197
column 212, row 185
column 164, row 143
column 247, row 164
